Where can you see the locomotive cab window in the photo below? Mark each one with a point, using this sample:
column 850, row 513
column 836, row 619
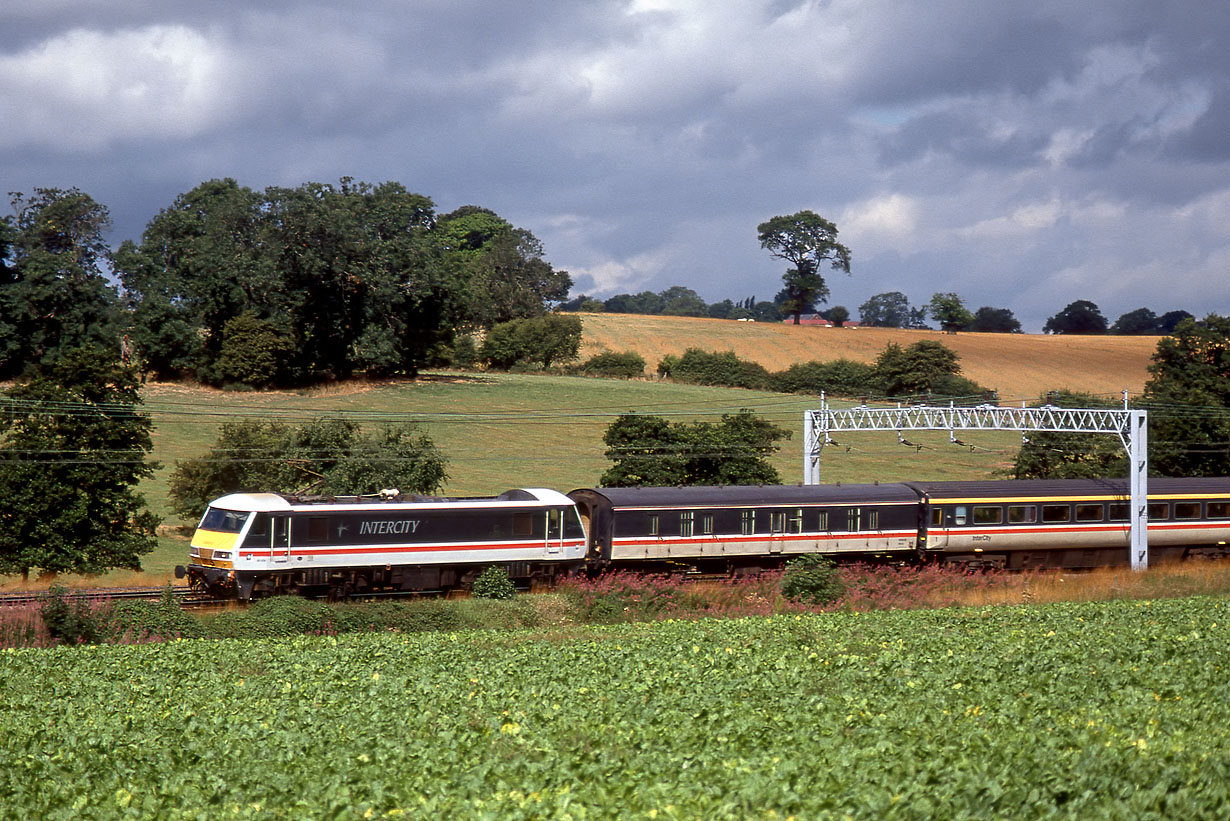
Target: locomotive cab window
column 223, row 521
column 1022, row 514
column 523, row 524
column 1187, row 510
column 1056, row 513
column 937, row 516
column 1088, row 513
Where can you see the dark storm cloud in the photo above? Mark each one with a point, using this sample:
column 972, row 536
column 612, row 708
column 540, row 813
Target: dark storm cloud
column 1025, row 154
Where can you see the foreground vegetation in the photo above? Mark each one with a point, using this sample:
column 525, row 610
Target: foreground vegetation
column 1085, row 710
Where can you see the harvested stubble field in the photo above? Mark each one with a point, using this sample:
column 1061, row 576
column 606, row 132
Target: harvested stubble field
column 1019, row 366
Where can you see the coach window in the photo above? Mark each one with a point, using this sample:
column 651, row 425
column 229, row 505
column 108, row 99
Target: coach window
column 1056, row 513
column 1159, row 511
column 706, row 524
column 1088, row 513
column 988, row 515
column 852, row 518
column 873, row 520
column 777, row 522
column 687, row 522
column 1187, row 510
column 1022, row 514
column 1218, row 510
column 747, row 522
column 653, row 525
column 822, row 522
column 796, row 520
column 959, row 515
column 1118, row 512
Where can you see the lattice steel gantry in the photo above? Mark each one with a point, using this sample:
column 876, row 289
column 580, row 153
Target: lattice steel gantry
column 1131, row 426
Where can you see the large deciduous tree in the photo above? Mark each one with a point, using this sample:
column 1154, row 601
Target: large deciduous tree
column 72, row 451
column 1079, row 317
column 949, row 310
column 805, row 240
column 990, row 320
column 891, row 310
column 54, row 295
column 651, row 451
column 1188, row 396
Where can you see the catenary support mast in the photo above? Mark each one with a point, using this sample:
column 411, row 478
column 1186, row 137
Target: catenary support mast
column 1131, row 426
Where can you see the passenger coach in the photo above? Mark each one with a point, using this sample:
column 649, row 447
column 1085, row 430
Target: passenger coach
column 261, row 543
column 1071, row 523
column 717, row 529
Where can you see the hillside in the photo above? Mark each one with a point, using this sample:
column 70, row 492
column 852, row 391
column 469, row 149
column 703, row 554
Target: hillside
column 1019, row 366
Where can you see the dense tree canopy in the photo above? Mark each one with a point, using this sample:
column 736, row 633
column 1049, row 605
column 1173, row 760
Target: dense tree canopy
column 1079, row 317
column 805, row 240
column 328, row 456
column 336, row 278
column 891, row 310
column 1188, row 396
column 72, row 451
column 649, row 450
column 54, row 294
column 949, row 310
column 994, row 321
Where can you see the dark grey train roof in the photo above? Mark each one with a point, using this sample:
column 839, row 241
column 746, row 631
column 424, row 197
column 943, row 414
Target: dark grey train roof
column 752, row 494
column 1068, row 487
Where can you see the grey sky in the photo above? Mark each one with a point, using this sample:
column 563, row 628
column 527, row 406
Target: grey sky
column 1022, row 154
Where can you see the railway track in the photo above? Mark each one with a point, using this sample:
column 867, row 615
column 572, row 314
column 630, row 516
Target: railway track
column 182, row 594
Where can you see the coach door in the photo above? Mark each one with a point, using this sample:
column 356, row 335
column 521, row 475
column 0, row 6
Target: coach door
column 555, row 531
column 281, row 537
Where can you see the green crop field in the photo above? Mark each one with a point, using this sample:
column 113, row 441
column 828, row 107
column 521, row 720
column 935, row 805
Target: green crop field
column 1099, row 710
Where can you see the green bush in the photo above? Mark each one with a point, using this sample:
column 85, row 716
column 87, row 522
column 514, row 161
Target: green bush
column 540, row 340
column 839, row 377
column 623, row 365
column 493, row 583
column 137, row 620
column 69, row 623
column 724, row 369
column 811, row 579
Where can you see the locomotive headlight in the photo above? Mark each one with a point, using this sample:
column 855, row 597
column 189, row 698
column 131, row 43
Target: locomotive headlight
column 221, row 554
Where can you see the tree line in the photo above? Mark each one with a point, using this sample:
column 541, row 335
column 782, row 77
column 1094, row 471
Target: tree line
column 286, row 286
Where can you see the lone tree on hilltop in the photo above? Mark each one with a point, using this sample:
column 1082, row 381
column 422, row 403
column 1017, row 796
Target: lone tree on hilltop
column 804, row 240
